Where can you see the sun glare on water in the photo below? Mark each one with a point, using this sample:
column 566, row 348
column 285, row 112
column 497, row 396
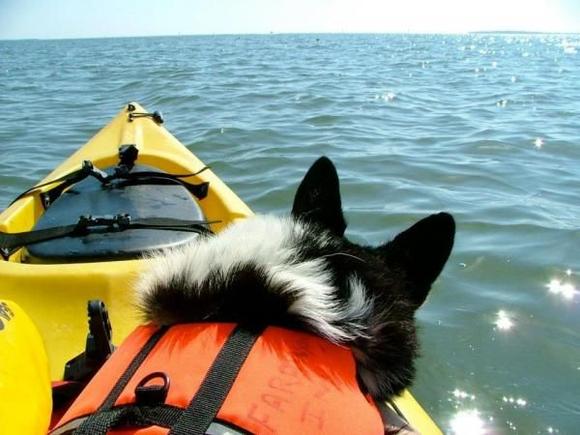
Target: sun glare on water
column 468, row 421
column 564, row 289
column 503, row 321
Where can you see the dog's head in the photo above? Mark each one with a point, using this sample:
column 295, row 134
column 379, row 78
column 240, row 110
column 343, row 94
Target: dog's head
column 301, row 271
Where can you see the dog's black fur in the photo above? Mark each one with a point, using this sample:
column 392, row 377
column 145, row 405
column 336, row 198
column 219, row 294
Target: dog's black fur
column 302, row 272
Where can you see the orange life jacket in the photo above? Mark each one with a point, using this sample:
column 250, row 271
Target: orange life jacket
column 290, row 383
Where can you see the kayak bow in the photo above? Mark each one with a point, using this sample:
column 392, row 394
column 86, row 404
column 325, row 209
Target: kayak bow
column 54, row 292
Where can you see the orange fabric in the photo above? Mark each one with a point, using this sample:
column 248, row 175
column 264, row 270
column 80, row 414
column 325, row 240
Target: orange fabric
column 291, row 382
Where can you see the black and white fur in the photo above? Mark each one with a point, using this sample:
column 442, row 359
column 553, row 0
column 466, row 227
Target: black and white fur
column 300, row 271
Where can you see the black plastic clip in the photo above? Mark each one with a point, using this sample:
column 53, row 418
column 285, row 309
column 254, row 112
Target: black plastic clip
column 127, row 157
column 88, row 168
column 98, row 346
column 118, row 222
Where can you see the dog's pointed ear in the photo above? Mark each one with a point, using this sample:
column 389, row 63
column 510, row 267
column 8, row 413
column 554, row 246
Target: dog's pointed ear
column 423, row 250
column 317, row 199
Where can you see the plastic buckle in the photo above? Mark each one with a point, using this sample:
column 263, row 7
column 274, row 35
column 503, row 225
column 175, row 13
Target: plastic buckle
column 87, row 166
column 123, row 221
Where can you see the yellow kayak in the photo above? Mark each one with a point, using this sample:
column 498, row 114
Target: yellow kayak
column 43, row 295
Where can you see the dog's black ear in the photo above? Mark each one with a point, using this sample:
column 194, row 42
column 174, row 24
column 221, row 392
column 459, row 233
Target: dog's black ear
column 423, row 250
column 318, row 197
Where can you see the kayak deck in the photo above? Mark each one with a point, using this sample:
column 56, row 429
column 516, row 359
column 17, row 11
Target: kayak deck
column 55, row 295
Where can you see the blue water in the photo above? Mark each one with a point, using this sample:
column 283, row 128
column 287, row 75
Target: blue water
column 484, row 126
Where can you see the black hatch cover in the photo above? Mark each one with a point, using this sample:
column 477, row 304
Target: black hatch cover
column 90, row 197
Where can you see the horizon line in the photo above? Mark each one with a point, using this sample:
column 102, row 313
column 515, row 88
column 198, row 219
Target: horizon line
column 272, row 33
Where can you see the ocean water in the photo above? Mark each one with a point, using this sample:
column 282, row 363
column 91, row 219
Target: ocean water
column 485, row 126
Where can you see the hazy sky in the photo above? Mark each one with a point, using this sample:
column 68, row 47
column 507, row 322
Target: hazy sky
column 94, row 18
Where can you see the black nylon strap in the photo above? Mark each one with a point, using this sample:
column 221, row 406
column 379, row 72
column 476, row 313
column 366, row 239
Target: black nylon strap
column 99, row 425
column 138, row 416
column 87, row 169
column 217, row 383
column 133, row 415
column 130, row 178
column 162, row 223
column 145, row 174
column 160, row 178
column 9, row 242
column 75, row 175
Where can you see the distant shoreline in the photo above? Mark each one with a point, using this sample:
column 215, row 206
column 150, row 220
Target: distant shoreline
column 520, row 32
column 478, row 32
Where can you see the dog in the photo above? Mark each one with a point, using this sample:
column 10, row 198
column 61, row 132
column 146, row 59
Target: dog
column 301, row 272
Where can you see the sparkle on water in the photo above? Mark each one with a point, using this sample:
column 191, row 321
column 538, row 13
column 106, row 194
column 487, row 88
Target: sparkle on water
column 516, row 401
column 502, row 103
column 459, row 394
column 569, row 48
column 387, row 96
column 503, row 321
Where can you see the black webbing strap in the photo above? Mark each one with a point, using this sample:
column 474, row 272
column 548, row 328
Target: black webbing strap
column 129, row 178
column 128, row 415
column 10, row 242
column 218, row 381
column 139, row 416
column 160, row 178
column 87, row 169
column 95, row 423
